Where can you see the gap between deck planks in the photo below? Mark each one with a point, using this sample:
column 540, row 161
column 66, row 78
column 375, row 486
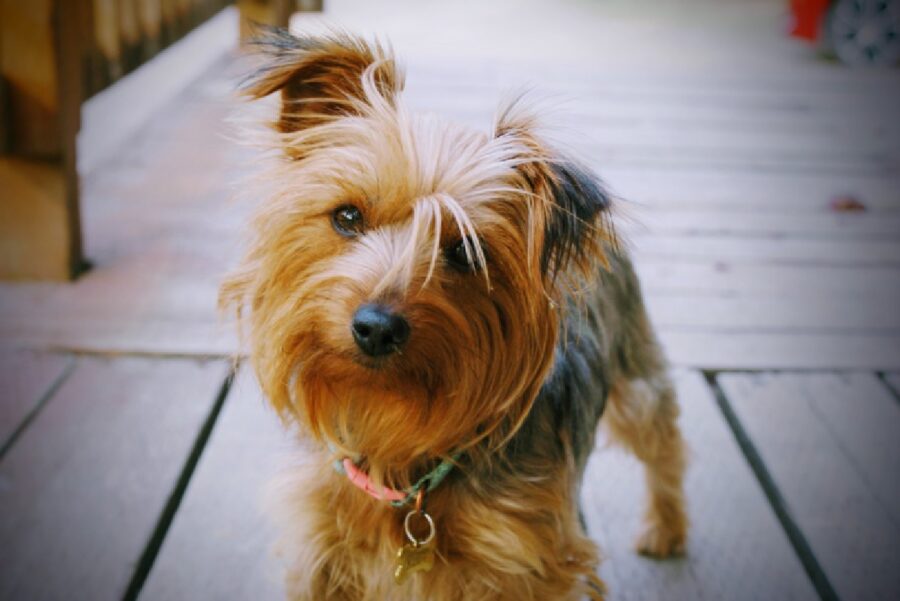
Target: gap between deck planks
column 81, row 489
column 699, row 238
column 736, row 548
column 28, row 380
column 220, row 545
column 219, row 521
column 892, row 380
column 830, row 443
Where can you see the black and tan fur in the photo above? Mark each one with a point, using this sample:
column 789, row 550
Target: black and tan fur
column 510, row 360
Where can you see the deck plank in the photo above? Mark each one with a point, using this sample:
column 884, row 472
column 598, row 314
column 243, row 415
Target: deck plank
column 772, row 314
column 788, row 251
column 81, row 490
column 830, row 443
column 161, row 234
column 736, row 550
column 791, row 277
column 728, row 192
column 752, row 350
column 27, row 378
column 760, row 224
column 727, row 139
column 790, row 283
column 220, row 544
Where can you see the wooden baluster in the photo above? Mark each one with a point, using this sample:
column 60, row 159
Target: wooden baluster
column 266, row 12
column 41, row 53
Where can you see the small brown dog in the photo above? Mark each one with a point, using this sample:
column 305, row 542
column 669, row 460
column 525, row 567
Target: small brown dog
column 444, row 314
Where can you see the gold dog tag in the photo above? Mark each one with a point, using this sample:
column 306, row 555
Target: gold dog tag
column 417, row 555
column 411, row 559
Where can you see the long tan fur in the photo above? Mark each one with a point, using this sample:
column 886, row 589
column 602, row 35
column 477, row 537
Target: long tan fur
column 484, row 341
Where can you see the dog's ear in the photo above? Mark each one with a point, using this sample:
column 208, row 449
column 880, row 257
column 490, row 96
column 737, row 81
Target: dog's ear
column 575, row 206
column 321, row 78
column 577, row 226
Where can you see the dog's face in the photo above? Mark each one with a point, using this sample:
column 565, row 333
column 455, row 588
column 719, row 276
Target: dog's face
column 401, row 290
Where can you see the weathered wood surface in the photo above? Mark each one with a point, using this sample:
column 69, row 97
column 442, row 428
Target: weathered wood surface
column 53, row 55
column 222, row 549
column 793, row 284
column 773, row 224
column 809, row 313
column 744, row 268
column 830, row 443
column 736, row 549
column 221, row 544
column 781, row 350
column 727, row 146
column 838, row 253
column 781, row 262
column 111, row 118
column 26, row 379
column 82, row 488
column 158, row 258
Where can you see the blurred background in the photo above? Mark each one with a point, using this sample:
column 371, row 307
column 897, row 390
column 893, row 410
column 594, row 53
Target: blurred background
column 753, row 147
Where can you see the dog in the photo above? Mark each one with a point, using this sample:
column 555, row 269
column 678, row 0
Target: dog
column 444, row 315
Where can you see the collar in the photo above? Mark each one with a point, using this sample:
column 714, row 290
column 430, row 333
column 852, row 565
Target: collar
column 397, row 498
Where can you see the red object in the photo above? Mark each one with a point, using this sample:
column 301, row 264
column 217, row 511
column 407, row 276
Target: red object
column 808, row 15
column 847, row 204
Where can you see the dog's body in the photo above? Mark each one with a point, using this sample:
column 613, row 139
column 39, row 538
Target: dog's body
column 419, row 293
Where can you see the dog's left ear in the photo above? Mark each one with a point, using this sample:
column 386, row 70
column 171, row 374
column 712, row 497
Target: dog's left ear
column 577, row 226
column 321, row 78
column 577, row 230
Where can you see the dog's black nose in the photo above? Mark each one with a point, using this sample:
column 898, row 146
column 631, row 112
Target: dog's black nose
column 378, row 330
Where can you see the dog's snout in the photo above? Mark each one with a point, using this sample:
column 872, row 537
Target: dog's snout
column 378, row 330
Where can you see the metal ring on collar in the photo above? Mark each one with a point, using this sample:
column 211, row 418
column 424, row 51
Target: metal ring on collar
column 409, row 535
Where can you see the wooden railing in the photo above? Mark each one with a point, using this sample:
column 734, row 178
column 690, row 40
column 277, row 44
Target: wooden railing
column 127, row 33
column 54, row 54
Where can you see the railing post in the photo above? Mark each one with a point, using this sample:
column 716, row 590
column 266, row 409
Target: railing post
column 266, row 12
column 272, row 12
column 41, row 72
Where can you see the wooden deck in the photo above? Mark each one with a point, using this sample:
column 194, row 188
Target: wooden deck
column 133, row 459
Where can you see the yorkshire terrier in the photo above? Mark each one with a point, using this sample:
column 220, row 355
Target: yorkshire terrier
column 443, row 314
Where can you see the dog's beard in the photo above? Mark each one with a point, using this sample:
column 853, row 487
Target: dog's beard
column 420, row 406
column 388, row 416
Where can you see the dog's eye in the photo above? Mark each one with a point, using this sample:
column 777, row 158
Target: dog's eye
column 347, row 220
column 456, row 257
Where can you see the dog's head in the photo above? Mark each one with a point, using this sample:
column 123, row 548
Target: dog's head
column 401, row 294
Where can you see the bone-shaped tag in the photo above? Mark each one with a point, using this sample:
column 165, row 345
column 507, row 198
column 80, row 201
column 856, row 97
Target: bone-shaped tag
column 411, row 559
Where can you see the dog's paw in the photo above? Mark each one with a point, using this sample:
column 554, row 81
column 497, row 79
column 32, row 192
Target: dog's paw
column 661, row 542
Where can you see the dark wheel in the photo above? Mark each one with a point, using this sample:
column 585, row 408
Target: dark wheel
column 864, row 32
